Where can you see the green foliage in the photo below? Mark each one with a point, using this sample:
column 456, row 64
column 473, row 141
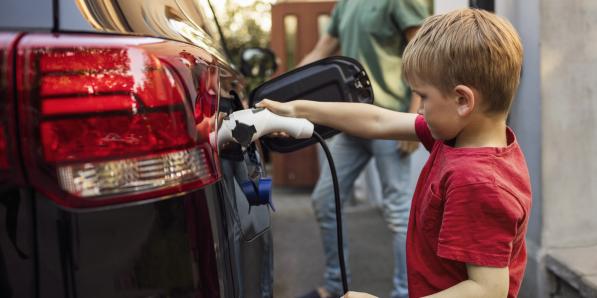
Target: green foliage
column 245, row 25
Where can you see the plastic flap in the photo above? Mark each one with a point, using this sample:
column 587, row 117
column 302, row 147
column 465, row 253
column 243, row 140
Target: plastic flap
column 332, row 79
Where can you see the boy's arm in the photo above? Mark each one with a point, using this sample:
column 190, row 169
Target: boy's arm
column 357, row 119
column 482, row 282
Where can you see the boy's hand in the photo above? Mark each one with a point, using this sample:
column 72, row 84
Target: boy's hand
column 352, row 294
column 281, row 108
column 407, row 147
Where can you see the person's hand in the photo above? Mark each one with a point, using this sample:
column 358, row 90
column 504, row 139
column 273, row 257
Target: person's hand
column 281, row 108
column 407, row 147
column 352, row 294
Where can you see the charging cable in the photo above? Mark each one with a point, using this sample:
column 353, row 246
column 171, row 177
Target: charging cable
column 338, row 204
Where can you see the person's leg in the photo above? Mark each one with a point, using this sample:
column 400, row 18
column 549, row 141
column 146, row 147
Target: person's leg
column 394, row 173
column 359, row 189
column 373, row 185
column 400, row 281
column 350, row 157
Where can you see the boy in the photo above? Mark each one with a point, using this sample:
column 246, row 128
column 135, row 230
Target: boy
column 469, row 214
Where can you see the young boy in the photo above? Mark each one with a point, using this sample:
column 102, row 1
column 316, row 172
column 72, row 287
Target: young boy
column 469, row 214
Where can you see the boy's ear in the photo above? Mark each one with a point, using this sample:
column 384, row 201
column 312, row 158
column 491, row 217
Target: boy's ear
column 466, row 100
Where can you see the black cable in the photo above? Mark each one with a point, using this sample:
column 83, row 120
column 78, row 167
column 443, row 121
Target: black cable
column 338, row 211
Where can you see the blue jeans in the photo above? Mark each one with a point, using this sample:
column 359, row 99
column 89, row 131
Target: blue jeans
column 351, row 155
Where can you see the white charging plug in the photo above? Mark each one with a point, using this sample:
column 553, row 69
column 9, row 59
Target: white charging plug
column 246, row 126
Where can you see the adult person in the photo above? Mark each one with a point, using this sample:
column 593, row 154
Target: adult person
column 375, row 33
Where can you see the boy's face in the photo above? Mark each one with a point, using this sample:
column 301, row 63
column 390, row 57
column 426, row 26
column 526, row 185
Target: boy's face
column 440, row 111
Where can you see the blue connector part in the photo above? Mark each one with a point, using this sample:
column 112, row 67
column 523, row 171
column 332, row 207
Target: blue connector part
column 259, row 193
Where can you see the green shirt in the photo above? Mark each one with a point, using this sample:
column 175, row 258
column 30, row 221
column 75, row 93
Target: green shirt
column 372, row 31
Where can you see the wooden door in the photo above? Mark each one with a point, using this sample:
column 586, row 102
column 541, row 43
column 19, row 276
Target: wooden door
column 296, row 27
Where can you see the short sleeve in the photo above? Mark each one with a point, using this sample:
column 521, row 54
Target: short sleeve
column 409, row 13
column 479, row 226
column 423, row 133
column 334, row 26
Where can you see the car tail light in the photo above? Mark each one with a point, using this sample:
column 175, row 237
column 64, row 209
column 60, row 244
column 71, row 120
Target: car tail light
column 10, row 173
column 109, row 121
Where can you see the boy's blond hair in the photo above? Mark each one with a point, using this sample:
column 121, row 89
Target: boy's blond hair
column 468, row 47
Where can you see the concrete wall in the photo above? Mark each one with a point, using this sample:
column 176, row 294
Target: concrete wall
column 569, row 77
column 569, row 110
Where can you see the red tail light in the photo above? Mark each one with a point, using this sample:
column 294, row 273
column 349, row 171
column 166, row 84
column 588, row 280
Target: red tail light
column 108, row 122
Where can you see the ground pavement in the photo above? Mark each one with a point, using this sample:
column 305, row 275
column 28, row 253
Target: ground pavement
column 298, row 254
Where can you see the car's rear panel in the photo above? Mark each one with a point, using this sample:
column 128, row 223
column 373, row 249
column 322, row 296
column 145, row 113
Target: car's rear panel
column 162, row 249
column 82, row 213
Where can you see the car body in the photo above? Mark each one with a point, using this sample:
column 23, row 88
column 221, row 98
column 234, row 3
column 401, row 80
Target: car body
column 110, row 183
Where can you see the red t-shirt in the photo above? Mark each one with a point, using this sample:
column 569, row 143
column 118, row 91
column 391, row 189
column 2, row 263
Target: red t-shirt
column 471, row 205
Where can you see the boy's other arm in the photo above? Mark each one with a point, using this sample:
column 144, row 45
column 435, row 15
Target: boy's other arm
column 326, row 46
column 409, row 147
column 357, row 119
column 483, row 282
